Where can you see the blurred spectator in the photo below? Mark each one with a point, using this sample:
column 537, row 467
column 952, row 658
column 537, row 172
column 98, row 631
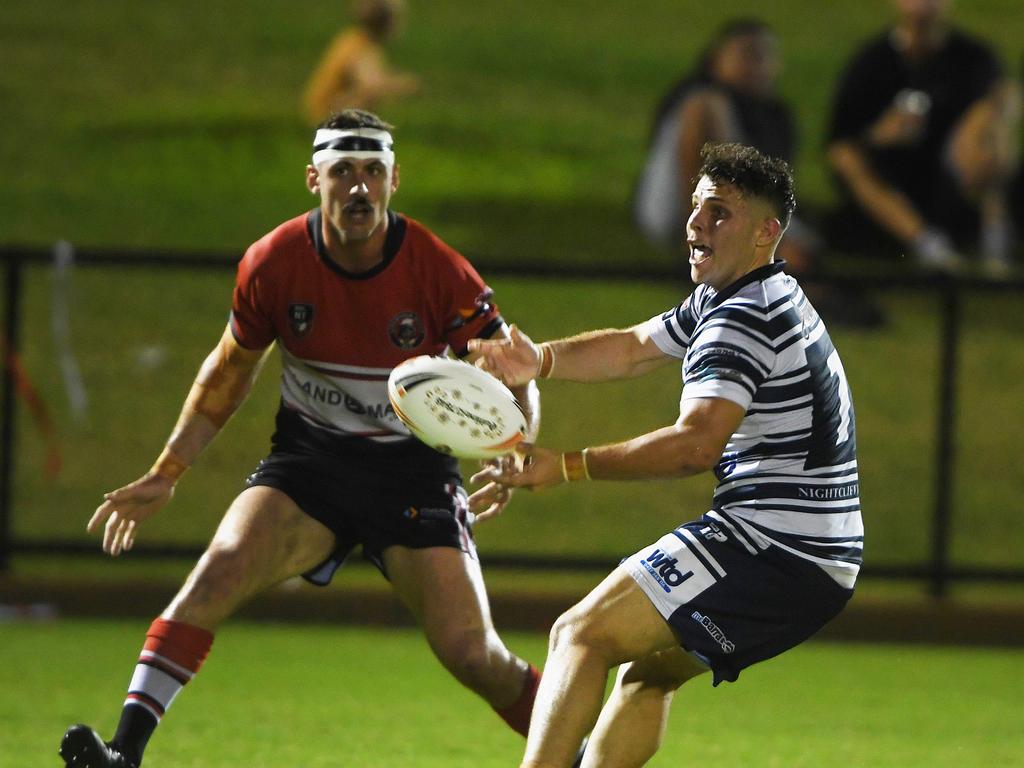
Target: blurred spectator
column 730, row 96
column 354, row 72
column 922, row 139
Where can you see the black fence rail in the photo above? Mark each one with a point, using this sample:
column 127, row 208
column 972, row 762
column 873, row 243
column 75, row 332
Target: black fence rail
column 938, row 572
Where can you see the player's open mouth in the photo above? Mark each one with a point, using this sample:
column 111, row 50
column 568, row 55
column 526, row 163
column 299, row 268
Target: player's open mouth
column 359, row 211
column 699, row 253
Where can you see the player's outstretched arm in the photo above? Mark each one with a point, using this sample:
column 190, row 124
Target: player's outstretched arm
column 593, row 356
column 222, row 384
column 692, row 445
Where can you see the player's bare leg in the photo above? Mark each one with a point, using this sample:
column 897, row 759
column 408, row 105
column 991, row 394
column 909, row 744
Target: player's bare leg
column 263, row 539
column 632, row 722
column 614, row 624
column 444, row 590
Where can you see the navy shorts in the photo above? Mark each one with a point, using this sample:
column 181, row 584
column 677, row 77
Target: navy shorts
column 731, row 607
column 376, row 504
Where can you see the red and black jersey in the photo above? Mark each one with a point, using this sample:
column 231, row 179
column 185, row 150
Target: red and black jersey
column 341, row 333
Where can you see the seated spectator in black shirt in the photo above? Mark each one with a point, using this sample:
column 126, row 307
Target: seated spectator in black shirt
column 729, row 97
column 922, row 140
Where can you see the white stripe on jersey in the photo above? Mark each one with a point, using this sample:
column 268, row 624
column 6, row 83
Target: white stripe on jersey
column 788, row 475
column 359, row 370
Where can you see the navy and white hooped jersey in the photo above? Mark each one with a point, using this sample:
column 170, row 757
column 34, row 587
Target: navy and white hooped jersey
column 788, row 476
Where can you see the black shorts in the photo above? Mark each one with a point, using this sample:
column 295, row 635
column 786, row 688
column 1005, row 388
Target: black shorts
column 371, row 501
column 732, row 608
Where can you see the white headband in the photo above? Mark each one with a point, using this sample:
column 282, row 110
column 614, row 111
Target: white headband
column 331, row 144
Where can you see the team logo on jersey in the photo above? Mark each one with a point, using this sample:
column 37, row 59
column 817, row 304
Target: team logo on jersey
column 406, row 330
column 300, row 318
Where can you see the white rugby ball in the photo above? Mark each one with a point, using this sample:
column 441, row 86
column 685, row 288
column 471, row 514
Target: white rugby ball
column 456, row 408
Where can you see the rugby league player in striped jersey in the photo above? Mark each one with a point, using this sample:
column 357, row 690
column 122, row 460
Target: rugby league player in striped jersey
column 766, row 407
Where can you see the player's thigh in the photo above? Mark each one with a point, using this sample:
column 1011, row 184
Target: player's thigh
column 267, row 535
column 616, row 619
column 443, row 588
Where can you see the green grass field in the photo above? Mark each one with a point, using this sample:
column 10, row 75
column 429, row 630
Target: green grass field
column 273, row 696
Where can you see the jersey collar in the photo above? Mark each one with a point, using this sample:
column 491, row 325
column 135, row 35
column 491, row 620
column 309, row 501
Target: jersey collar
column 753, row 276
column 392, row 243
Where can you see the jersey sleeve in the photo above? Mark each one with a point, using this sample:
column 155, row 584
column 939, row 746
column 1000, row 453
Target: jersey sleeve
column 469, row 308
column 671, row 331
column 251, row 311
column 728, row 359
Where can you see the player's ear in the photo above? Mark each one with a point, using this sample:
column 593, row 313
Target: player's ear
column 394, row 179
column 312, row 179
column 769, row 232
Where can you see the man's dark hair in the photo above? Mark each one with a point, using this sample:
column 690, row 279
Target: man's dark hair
column 355, row 118
column 753, row 174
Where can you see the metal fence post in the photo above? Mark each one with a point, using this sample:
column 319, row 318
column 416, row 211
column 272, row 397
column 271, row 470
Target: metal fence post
column 945, row 438
column 9, row 346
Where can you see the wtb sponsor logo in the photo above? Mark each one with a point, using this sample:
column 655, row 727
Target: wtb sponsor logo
column 663, row 568
column 714, row 631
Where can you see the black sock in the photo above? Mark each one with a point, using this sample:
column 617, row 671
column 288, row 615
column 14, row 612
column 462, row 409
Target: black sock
column 133, row 732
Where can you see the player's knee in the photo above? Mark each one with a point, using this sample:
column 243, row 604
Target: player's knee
column 224, row 570
column 466, row 654
column 575, row 629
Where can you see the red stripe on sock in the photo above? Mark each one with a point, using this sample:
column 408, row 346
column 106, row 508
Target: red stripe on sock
column 184, row 644
column 517, row 715
column 149, row 661
column 146, row 699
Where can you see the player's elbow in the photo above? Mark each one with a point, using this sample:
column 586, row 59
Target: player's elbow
column 699, row 459
column 695, row 456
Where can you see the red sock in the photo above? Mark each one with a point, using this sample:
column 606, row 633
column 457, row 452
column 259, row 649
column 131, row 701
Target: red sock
column 517, row 714
column 171, row 656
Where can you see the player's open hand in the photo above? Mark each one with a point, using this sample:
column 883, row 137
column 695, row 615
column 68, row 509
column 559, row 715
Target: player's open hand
column 127, row 507
column 491, row 499
column 514, row 360
column 534, row 468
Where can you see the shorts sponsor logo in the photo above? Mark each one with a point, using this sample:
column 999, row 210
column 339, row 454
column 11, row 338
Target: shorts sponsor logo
column 714, row 631
column 663, row 568
column 712, row 531
column 427, row 513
